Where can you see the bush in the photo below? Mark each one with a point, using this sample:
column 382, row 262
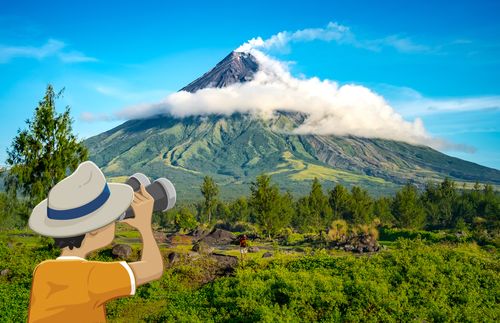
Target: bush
column 388, row 234
column 412, row 282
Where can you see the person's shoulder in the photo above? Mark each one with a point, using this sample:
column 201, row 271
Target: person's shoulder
column 45, row 265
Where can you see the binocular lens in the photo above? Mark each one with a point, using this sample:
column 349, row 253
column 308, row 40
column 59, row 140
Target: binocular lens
column 162, row 191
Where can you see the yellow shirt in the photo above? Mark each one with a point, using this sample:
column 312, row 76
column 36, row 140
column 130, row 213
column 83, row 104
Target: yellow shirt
column 71, row 289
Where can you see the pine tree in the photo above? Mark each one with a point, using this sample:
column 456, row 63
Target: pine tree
column 272, row 210
column 45, row 152
column 382, row 210
column 320, row 211
column 360, row 206
column 407, row 208
column 339, row 200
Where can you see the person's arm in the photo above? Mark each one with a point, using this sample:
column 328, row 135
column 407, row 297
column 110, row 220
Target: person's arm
column 150, row 267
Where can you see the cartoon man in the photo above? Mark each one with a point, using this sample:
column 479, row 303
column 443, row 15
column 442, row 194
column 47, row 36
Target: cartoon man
column 80, row 213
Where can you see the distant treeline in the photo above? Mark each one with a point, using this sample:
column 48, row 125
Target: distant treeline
column 439, row 206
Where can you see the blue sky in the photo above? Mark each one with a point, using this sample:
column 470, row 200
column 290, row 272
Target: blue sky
column 436, row 60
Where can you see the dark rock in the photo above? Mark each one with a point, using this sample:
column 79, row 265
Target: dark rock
column 122, row 251
column 267, row 255
column 202, row 247
column 199, row 233
column 253, row 249
column 173, row 258
column 218, row 237
column 348, row 247
column 237, row 67
column 225, row 264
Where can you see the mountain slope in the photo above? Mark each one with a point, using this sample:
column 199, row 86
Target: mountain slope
column 234, row 149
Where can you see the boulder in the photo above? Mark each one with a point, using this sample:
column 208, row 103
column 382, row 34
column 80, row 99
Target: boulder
column 253, row 249
column 5, row 272
column 267, row 255
column 202, row 247
column 199, row 233
column 225, row 264
column 348, row 247
column 173, row 258
column 122, row 251
column 218, row 237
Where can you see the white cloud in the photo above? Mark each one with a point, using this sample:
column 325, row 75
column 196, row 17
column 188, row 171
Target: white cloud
column 332, row 32
column 338, row 33
column 403, row 44
column 75, row 57
column 411, row 103
column 332, row 109
column 52, row 48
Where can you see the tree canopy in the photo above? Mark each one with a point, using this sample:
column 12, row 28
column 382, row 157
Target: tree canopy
column 45, row 152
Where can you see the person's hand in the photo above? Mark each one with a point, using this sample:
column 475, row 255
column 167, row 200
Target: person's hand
column 143, row 210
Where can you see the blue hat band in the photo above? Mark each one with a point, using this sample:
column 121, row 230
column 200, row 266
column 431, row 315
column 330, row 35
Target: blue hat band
column 80, row 211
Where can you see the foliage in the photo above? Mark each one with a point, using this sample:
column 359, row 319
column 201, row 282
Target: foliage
column 13, row 212
column 406, row 208
column 313, row 212
column 239, row 210
column 210, row 191
column 338, row 230
column 361, row 206
column 412, row 281
column 272, row 210
column 185, row 220
column 415, row 282
column 43, row 154
column 339, row 201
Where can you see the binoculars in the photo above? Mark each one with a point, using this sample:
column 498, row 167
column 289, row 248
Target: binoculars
column 162, row 191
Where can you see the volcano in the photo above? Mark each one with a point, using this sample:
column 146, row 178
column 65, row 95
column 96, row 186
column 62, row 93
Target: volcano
column 235, row 149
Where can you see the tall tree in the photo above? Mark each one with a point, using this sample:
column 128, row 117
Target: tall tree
column 210, row 191
column 382, row 210
column 440, row 201
column 239, row 210
column 272, row 210
column 407, row 208
column 321, row 213
column 360, row 206
column 339, row 200
column 45, row 152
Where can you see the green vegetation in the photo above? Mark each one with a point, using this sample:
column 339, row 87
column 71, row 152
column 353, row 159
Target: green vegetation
column 411, row 281
column 209, row 190
column 42, row 155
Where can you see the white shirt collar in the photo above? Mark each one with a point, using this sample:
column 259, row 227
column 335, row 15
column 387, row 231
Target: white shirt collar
column 69, row 258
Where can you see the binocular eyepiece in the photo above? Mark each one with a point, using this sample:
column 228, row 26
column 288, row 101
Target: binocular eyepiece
column 162, row 191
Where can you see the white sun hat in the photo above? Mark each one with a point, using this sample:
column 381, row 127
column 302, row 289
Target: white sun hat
column 80, row 203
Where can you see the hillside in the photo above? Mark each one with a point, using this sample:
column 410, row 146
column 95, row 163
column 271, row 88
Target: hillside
column 234, row 149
